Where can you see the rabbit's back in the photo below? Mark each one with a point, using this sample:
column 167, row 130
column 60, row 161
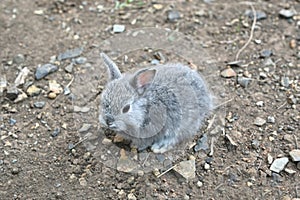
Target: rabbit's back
column 194, row 100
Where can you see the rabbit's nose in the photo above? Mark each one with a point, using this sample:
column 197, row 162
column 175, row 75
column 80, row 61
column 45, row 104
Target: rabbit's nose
column 109, row 120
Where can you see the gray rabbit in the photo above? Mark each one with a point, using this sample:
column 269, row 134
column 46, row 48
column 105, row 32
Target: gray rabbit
column 155, row 107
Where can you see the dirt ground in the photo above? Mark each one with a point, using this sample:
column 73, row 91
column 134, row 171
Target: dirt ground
column 42, row 154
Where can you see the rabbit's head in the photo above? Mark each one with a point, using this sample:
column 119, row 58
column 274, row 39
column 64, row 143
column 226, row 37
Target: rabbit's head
column 122, row 106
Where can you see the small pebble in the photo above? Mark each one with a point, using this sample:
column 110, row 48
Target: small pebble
column 289, row 171
column 19, row 58
column 12, row 93
column 228, row 73
column 118, row 28
column 268, row 62
column 69, row 68
column 243, row 81
column 39, row 104
column 55, row 132
column 81, row 109
column 199, row 184
column 259, row 121
column 270, row 159
column 12, row 121
column 15, row 170
column 266, row 53
column 85, row 128
column 263, row 75
column 82, row 181
column 33, row 90
column 286, row 13
column 271, row 119
column 293, row 44
column 186, row 169
column 44, row 70
column 202, row 143
column 279, row 164
column 20, row 80
column 131, row 196
column 80, row 60
column 206, row 166
column 259, row 14
column 285, row 81
column 295, row 155
column 186, row 197
column 55, row 87
column 70, row 54
column 157, row 6
column 260, row 103
column 255, row 144
column 173, row 15
column 52, row 95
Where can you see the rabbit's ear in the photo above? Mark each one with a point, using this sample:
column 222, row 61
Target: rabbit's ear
column 113, row 70
column 143, row 79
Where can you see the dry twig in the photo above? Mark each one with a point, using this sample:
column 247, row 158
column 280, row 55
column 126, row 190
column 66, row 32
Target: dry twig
column 251, row 33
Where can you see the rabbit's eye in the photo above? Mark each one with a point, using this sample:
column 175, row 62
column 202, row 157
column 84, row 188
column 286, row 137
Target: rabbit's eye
column 126, row 108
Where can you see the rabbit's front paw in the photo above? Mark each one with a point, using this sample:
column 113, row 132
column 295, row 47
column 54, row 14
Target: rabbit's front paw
column 161, row 146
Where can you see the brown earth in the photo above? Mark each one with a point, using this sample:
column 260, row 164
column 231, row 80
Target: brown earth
column 34, row 164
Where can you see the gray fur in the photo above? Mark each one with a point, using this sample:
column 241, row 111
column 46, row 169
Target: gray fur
column 165, row 109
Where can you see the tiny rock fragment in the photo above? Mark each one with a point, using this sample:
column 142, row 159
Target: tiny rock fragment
column 289, row 171
column 3, row 83
column 295, row 155
column 81, row 109
column 12, row 92
column 22, row 95
column 55, row 132
column 279, row 164
column 260, row 103
column 39, row 104
column 52, row 95
column 131, row 196
column 268, row 62
column 173, row 15
column 206, row 166
column 69, row 68
column 292, row 100
column 82, row 181
column 271, row 119
column 55, row 87
column 266, row 53
column 33, row 90
column 228, row 73
column 186, row 169
column 20, row 80
column 285, row 81
column 157, row 6
column 38, row 12
column 286, row 13
column 70, row 54
column 44, row 70
column 80, row 60
column 118, row 28
column 293, row 44
column 202, row 143
column 243, row 81
column 259, row 121
column 260, row 15
column 85, row 128
column 106, row 141
column 270, row 159
column 19, row 58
